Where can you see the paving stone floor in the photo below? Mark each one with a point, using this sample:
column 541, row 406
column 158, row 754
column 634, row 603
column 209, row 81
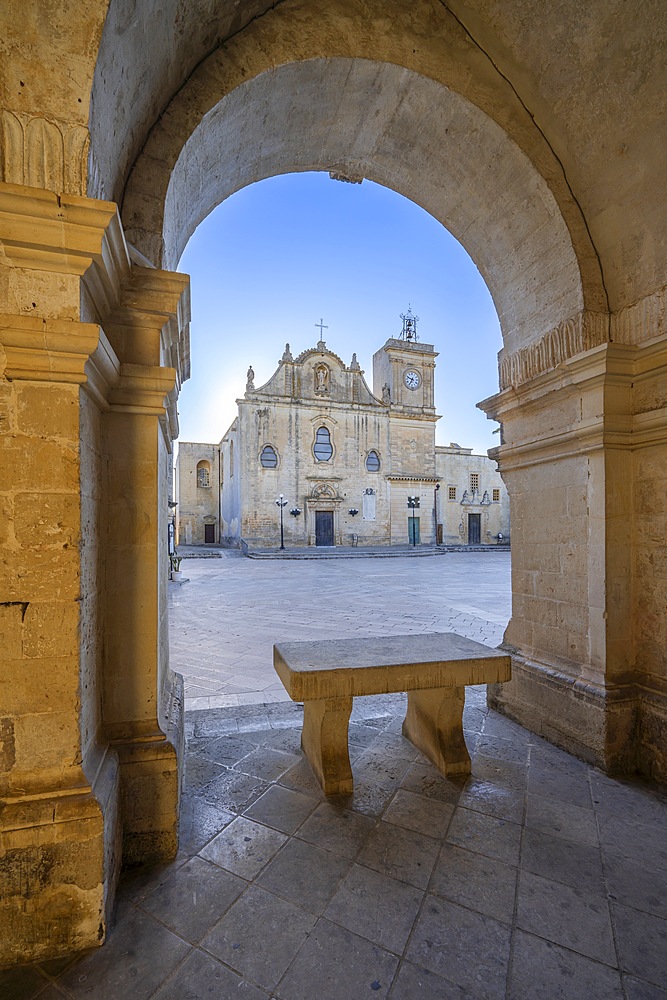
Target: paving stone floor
column 536, row 878
column 225, row 620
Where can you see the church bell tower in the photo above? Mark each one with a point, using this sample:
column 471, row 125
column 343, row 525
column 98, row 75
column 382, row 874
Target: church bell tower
column 403, row 370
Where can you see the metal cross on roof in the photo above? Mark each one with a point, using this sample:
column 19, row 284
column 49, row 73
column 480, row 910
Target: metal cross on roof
column 322, row 326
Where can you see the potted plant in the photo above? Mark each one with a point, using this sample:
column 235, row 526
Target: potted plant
column 176, row 573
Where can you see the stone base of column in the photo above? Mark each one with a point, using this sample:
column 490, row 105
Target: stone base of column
column 59, row 865
column 652, row 735
column 151, row 771
column 597, row 725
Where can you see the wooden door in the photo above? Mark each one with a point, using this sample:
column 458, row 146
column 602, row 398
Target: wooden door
column 209, row 533
column 474, row 529
column 413, row 530
column 324, row 532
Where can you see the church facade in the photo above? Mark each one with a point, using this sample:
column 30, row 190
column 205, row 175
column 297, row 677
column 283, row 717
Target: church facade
column 343, row 464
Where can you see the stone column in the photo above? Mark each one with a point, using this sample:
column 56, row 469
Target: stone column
column 142, row 699
column 570, row 437
column 64, row 272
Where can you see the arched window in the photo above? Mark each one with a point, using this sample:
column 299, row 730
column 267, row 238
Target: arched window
column 323, row 449
column 268, row 457
column 203, row 474
column 373, row 462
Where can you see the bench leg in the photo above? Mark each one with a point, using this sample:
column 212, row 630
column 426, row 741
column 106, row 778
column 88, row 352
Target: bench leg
column 324, row 742
column 434, row 723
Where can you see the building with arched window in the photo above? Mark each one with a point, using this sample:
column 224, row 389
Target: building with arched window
column 346, row 457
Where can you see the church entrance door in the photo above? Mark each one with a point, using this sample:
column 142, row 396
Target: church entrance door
column 413, row 531
column 324, row 533
column 474, row 528
column 209, row 533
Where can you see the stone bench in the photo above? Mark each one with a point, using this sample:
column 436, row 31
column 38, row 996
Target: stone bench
column 432, row 668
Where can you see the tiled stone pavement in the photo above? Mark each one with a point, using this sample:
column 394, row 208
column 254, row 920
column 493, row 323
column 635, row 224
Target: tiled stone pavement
column 225, row 620
column 536, row 878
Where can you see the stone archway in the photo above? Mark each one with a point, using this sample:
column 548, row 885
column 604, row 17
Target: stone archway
column 545, row 167
column 441, row 150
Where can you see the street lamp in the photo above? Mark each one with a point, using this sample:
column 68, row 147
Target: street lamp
column 413, row 504
column 295, row 511
column 281, row 502
column 353, row 511
column 435, row 512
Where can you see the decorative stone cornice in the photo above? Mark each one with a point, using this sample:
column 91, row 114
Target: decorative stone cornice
column 44, row 350
column 66, row 234
column 634, row 325
column 572, row 336
column 642, row 321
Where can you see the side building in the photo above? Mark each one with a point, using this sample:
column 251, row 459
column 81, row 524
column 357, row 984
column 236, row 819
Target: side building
column 353, row 466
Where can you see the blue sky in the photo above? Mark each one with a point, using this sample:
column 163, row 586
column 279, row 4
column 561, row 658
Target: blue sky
column 279, row 255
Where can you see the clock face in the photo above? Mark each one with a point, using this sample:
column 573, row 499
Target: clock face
column 412, row 379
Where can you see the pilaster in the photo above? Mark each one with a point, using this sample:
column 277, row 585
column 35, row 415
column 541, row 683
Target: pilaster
column 59, row 829
column 573, row 437
column 65, row 273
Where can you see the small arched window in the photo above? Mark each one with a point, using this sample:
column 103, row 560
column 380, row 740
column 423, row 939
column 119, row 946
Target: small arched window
column 268, row 457
column 373, row 462
column 322, row 449
column 203, row 474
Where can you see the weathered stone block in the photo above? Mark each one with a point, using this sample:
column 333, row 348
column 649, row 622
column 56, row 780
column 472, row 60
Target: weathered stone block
column 50, row 411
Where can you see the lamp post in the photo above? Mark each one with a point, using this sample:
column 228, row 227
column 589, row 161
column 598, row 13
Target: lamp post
column 435, row 512
column 282, row 503
column 413, row 504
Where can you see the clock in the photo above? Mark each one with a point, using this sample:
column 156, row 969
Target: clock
column 412, row 379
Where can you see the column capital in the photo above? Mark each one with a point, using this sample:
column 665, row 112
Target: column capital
column 46, row 350
column 66, row 234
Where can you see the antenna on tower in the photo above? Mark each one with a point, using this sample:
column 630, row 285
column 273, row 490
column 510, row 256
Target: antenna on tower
column 409, row 331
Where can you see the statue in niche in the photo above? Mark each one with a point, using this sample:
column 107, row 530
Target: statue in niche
column 321, row 378
column 386, row 393
column 250, row 383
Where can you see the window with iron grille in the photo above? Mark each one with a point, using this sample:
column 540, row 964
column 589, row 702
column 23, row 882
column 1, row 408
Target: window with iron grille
column 451, row 492
column 474, row 481
column 496, row 496
column 203, row 474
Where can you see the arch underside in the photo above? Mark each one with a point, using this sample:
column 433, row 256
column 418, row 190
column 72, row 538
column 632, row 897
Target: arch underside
column 360, row 119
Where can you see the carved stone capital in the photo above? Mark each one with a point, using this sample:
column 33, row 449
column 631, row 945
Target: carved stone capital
column 143, row 389
column 43, row 350
column 42, row 231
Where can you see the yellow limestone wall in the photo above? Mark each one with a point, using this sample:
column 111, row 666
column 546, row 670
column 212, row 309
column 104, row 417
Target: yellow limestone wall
column 90, row 717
